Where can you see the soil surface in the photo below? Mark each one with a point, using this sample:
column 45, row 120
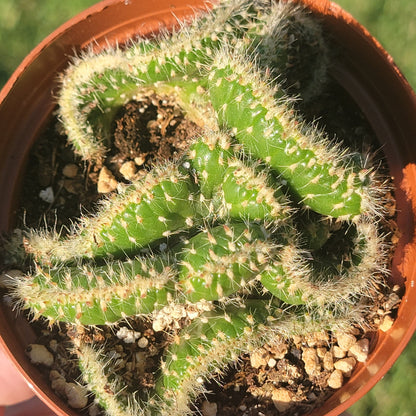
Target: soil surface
column 145, row 133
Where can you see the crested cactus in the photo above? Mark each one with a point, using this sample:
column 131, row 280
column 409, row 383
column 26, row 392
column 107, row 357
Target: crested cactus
column 96, row 85
column 219, row 229
column 316, row 174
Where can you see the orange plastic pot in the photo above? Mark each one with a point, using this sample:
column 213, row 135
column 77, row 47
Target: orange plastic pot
column 365, row 70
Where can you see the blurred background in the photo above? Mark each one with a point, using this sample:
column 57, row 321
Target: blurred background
column 24, row 23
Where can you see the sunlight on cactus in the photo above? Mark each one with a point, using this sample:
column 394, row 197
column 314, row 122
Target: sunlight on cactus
column 223, row 229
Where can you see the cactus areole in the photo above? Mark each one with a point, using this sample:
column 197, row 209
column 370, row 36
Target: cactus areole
column 261, row 226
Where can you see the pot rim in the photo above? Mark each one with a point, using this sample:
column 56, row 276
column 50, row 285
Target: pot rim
column 405, row 177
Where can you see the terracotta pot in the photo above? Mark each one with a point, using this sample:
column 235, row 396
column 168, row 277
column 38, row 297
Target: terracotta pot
column 365, row 70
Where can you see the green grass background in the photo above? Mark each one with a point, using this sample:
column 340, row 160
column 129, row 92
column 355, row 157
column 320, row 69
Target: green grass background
column 24, row 23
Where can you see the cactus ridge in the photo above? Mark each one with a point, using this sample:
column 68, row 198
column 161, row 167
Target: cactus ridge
column 238, row 188
column 247, row 191
column 207, row 345
column 96, row 374
column 96, row 85
column 208, row 155
column 245, row 103
column 152, row 209
column 218, row 262
column 293, row 279
column 88, row 294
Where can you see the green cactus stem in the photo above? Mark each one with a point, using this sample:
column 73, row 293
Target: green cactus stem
column 148, row 211
column 219, row 262
column 316, row 172
column 207, row 346
column 296, row 280
column 208, row 155
column 293, row 49
column 211, row 266
column 248, row 192
column 97, row 295
column 96, row 85
column 238, row 188
column 97, row 376
column 242, row 230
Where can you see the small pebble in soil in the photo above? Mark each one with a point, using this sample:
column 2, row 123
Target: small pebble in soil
column 140, row 160
column 259, row 357
column 39, row 354
column 328, row 361
column 360, row 350
column 271, row 363
column 209, row 409
column 106, row 181
column 58, row 383
column 70, row 170
column 77, row 395
column 128, row 335
column 386, row 323
column 128, row 170
column 346, row 365
column 336, row 379
column 311, row 360
column 338, row 352
column 143, row 342
column 282, row 398
column 345, row 341
column 47, row 195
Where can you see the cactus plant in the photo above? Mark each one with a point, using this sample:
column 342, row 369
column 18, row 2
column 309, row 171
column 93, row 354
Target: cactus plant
column 219, row 229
